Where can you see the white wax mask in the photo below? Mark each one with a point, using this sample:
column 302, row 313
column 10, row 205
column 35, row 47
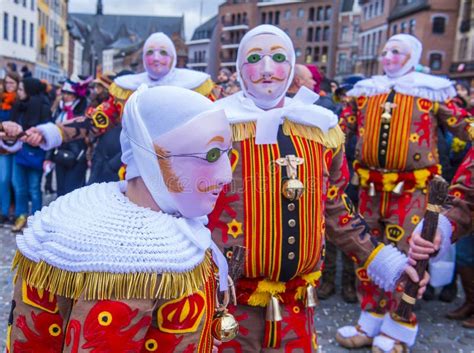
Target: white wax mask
column 265, row 63
column 159, row 55
column 400, row 55
column 196, row 163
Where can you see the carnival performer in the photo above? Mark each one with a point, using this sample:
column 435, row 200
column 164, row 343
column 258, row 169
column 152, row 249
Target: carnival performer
column 289, row 175
column 159, row 61
column 396, row 118
column 128, row 266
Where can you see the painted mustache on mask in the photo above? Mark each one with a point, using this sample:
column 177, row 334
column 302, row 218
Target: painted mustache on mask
column 208, row 188
column 278, row 79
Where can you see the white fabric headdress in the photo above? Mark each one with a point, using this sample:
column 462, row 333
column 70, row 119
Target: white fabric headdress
column 266, row 29
column 148, row 114
column 416, row 49
column 175, row 77
column 161, row 39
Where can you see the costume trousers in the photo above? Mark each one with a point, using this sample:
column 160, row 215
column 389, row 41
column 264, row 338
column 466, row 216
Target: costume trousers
column 392, row 219
column 295, row 333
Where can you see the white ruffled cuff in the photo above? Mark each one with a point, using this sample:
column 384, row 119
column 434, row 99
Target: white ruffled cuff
column 401, row 332
column 51, row 136
column 387, row 267
column 370, row 323
column 11, row 148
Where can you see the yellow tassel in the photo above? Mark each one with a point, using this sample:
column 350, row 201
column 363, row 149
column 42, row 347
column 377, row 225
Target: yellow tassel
column 332, row 139
column 205, row 88
column 421, row 178
column 104, row 285
column 119, row 92
column 312, row 277
column 388, row 181
column 300, row 293
column 259, row 299
column 363, row 177
column 243, row 131
column 271, row 287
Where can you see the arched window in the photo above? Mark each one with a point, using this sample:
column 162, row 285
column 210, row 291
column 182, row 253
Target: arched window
column 328, row 13
column 309, row 35
column 317, row 35
column 311, row 14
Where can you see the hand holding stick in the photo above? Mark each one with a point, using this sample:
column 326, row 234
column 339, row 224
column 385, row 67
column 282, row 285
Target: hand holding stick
column 438, row 191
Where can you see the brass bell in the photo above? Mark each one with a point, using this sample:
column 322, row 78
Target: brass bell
column 224, row 326
column 371, row 189
column 273, row 310
column 398, row 189
column 355, row 179
column 311, row 297
column 292, row 189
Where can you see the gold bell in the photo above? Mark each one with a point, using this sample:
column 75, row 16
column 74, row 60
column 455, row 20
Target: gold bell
column 273, row 310
column 224, row 326
column 398, row 189
column 292, row 189
column 372, row 189
column 311, row 297
column 355, row 179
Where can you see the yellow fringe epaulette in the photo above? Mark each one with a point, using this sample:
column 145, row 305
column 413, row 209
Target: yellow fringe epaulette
column 332, row 139
column 205, row 88
column 119, row 92
column 104, row 285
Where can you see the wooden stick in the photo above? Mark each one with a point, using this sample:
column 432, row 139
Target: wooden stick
column 438, row 191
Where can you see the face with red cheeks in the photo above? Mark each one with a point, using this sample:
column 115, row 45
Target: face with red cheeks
column 394, row 56
column 196, row 165
column 157, row 59
column 265, row 68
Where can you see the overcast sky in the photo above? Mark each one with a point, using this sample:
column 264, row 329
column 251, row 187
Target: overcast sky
column 190, row 8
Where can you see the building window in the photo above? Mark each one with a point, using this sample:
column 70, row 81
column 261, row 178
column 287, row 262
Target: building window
column 376, row 8
column 263, row 18
column 320, row 13
column 317, row 35
column 341, row 63
column 270, row 17
column 23, row 32
column 463, row 49
column 277, row 18
column 403, row 27
column 324, row 55
column 5, row 26
column 309, row 34
column 394, row 29
column 326, row 34
column 298, row 52
column 299, row 32
column 439, row 24
column 371, row 10
column 32, row 5
column 15, row 29
column 328, row 13
column 32, row 35
column 24, row 3
column 382, row 3
column 316, row 54
column 436, row 61
column 300, row 13
column 287, row 14
column 308, row 56
column 311, row 14
column 344, row 33
column 411, row 28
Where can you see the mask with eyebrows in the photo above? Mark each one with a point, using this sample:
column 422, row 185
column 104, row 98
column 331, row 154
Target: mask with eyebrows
column 180, row 151
column 400, row 55
column 159, row 55
column 265, row 65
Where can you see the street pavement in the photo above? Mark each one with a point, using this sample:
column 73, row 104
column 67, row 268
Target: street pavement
column 436, row 334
